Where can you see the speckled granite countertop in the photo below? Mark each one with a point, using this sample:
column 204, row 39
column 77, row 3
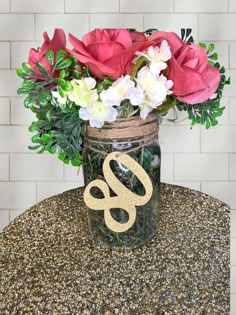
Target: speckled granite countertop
column 48, row 264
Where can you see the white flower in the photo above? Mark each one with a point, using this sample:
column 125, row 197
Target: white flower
column 155, row 88
column 121, row 89
column 60, row 99
column 97, row 113
column 157, row 57
column 83, row 92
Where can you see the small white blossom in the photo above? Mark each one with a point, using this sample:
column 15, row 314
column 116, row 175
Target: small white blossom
column 83, row 92
column 121, row 89
column 97, row 113
column 155, row 88
column 157, row 57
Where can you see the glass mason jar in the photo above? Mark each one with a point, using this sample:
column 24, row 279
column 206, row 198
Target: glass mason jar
column 139, row 139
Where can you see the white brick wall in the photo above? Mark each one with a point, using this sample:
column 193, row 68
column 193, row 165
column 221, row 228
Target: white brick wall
column 201, row 159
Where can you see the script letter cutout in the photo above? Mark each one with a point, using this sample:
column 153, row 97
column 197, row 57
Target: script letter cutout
column 125, row 199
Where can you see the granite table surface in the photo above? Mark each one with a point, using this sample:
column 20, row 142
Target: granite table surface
column 49, row 264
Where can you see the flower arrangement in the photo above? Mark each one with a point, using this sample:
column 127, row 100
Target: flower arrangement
column 116, row 73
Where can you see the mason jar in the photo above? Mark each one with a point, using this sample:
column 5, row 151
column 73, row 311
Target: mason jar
column 137, row 138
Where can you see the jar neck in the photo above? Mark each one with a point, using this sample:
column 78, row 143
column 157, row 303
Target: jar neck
column 126, row 128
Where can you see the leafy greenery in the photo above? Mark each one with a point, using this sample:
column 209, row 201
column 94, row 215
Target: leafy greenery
column 56, row 129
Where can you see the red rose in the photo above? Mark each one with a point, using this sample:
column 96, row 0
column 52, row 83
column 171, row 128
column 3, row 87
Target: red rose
column 107, row 52
column 58, row 42
column 194, row 80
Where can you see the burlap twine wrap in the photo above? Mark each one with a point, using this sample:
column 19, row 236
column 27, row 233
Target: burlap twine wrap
column 123, row 131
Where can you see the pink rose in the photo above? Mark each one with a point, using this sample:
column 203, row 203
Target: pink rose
column 107, row 52
column 58, row 42
column 194, row 80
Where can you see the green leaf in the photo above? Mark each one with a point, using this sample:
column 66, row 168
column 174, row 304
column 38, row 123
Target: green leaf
column 213, row 56
column 46, row 138
column 76, row 74
column 33, row 127
column 29, row 101
column 48, row 115
column 21, row 74
column 22, row 91
column 44, row 97
column 188, row 31
column 50, row 56
column 28, row 85
column 52, row 149
column 42, row 69
column 66, row 63
column 34, row 147
column 60, row 55
column 27, row 67
column 210, row 48
column 61, row 155
column 62, row 74
column 36, row 139
column 65, row 85
column 203, row 45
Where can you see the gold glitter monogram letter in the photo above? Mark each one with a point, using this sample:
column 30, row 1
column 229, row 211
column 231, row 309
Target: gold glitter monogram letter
column 125, row 199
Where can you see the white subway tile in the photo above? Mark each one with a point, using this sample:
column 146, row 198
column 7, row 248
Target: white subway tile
column 91, row 6
column 232, row 280
column 232, row 111
column 35, row 6
column 199, row 167
column 172, row 22
column 233, row 251
column 45, row 190
column 19, row 114
column 224, row 191
column 232, row 166
column 232, row 8
column 4, row 6
column 116, row 21
column 233, row 223
column 73, row 173
column 15, row 213
column 147, row 6
column 232, row 55
column 200, row 6
column 4, row 111
column 5, row 55
column 4, row 219
column 76, row 24
column 17, row 195
column 15, row 139
column 20, row 52
column 179, row 139
column 16, row 27
column 9, row 83
column 167, row 167
column 217, row 27
column 191, row 185
column 4, row 167
column 219, row 139
column 34, row 167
